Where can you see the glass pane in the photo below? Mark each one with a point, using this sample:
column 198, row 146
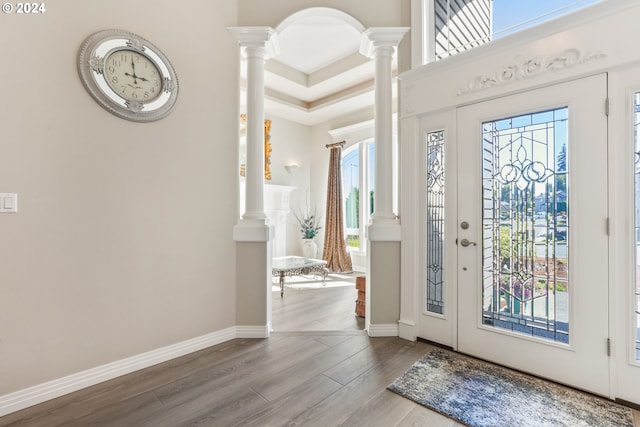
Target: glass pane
column 464, row 24
column 511, row 16
column 636, row 149
column 460, row 25
column 351, row 191
column 372, row 173
column 353, row 239
column 435, row 222
column 525, row 224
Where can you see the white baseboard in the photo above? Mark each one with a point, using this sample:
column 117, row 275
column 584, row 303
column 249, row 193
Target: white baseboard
column 389, row 330
column 50, row 390
column 252, row 331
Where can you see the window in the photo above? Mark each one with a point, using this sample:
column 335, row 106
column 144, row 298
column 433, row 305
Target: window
column 351, row 193
column 460, row 25
column 358, row 192
column 510, row 16
column 435, row 222
column 453, row 26
column 636, row 150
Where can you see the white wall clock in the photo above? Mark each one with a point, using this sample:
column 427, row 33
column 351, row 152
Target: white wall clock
column 127, row 75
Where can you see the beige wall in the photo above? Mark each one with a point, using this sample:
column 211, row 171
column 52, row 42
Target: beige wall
column 253, row 286
column 123, row 239
column 383, row 275
column 371, row 13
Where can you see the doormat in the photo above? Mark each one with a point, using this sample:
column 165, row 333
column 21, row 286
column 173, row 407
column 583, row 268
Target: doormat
column 480, row 394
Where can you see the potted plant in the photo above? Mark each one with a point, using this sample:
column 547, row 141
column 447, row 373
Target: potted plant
column 309, row 227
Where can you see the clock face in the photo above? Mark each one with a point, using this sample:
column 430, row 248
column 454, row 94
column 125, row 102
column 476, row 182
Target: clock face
column 127, row 75
column 132, row 76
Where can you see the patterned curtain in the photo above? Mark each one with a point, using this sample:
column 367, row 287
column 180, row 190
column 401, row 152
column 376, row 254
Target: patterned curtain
column 335, row 248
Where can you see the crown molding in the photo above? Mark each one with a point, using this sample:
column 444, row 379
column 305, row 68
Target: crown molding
column 525, row 68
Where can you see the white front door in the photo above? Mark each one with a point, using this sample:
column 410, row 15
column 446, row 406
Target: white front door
column 532, row 244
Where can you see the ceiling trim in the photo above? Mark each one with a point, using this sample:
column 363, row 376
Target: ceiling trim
column 287, row 72
column 341, row 66
column 320, row 75
column 322, row 12
column 328, row 72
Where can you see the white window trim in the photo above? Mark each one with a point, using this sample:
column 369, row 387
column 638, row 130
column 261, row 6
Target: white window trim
column 363, row 133
column 363, row 185
column 422, row 18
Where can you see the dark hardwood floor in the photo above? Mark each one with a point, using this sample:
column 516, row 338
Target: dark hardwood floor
column 304, row 379
column 309, row 306
column 315, row 370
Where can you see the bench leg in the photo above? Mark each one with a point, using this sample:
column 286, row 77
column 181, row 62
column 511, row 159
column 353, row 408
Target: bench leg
column 325, row 273
column 281, row 284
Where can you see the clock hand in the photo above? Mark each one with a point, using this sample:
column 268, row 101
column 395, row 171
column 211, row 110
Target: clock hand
column 133, row 66
column 144, row 79
column 135, row 81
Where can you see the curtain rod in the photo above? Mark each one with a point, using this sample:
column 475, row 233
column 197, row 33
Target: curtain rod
column 336, row 144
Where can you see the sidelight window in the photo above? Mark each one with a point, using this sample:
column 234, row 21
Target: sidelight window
column 636, row 288
column 435, row 222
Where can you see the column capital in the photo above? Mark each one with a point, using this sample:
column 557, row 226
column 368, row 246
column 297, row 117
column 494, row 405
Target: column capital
column 257, row 37
column 379, row 37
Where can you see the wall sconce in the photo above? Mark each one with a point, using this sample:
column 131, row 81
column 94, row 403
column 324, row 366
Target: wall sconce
column 291, row 168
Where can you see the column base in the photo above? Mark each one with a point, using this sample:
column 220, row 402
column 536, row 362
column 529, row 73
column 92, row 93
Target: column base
column 407, row 330
column 253, row 230
column 384, row 230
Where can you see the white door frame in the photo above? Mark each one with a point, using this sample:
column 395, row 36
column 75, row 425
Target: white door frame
column 622, row 85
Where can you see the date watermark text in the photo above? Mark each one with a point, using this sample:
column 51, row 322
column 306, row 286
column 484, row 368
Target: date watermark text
column 24, row 8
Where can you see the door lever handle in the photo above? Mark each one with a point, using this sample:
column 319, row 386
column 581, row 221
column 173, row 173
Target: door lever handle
column 466, row 242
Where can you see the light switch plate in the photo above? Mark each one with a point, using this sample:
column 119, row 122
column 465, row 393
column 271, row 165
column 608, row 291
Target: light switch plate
column 8, row 202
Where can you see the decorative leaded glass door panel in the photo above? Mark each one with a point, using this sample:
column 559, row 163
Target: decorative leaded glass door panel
column 532, row 254
column 437, row 293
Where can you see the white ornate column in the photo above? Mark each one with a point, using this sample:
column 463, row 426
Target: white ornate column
column 380, row 44
column 253, row 234
column 384, row 232
column 258, row 44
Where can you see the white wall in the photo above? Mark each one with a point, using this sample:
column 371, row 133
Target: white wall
column 290, row 143
column 122, row 242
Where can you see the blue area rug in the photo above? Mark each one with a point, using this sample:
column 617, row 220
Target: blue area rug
column 480, row 394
